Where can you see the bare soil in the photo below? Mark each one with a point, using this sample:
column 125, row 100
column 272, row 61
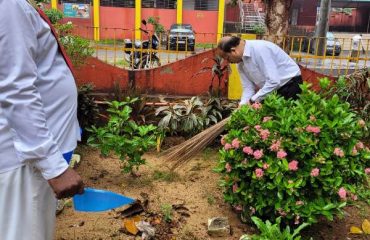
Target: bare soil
column 192, row 191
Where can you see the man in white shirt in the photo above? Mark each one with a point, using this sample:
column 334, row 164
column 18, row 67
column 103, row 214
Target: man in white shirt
column 263, row 68
column 38, row 123
column 357, row 45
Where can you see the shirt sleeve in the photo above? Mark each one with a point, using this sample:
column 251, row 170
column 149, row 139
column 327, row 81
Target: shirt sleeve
column 266, row 61
column 248, row 88
column 19, row 99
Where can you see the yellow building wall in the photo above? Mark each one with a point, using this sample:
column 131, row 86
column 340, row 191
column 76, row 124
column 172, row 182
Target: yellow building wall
column 235, row 87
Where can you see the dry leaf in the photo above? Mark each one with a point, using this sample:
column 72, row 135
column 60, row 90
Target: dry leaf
column 366, row 226
column 355, row 230
column 129, row 224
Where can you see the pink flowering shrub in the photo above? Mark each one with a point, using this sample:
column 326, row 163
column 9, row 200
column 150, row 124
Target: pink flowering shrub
column 297, row 160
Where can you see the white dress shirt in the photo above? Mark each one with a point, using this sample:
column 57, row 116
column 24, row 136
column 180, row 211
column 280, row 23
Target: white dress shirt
column 266, row 67
column 38, row 95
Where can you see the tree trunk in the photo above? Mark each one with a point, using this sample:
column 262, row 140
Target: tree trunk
column 322, row 26
column 277, row 19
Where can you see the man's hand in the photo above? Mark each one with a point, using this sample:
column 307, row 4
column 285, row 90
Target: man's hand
column 67, row 184
column 242, row 104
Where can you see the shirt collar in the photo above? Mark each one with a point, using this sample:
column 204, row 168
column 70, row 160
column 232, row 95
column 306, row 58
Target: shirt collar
column 247, row 49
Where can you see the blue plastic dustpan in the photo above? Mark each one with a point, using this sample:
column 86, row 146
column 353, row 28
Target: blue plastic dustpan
column 94, row 200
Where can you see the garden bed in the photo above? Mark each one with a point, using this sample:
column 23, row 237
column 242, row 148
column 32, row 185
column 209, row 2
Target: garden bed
column 194, row 187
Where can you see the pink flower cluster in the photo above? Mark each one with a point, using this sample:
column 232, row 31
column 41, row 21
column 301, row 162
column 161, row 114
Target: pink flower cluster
column 296, row 220
column 265, row 166
column 266, row 119
column 338, row 152
column 293, row 165
column 258, row 154
column 235, row 143
column 257, row 127
column 367, row 170
column 235, row 187
column 360, row 145
column 275, row 146
column 256, row 105
column 228, row 146
column 248, row 150
column 253, row 210
column 315, row 172
column 264, row 133
column 281, row 154
column 281, row 212
column 228, row 167
column 362, row 123
column 259, row 172
column 315, row 130
column 223, row 140
column 299, row 203
column 238, row 208
column 342, row 193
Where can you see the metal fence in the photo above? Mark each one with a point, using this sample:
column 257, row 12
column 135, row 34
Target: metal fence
column 337, row 57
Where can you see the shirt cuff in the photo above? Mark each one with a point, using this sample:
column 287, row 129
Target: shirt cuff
column 243, row 102
column 255, row 98
column 53, row 166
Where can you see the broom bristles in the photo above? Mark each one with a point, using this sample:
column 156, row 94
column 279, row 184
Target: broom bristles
column 181, row 153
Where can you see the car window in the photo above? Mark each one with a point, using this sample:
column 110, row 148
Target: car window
column 181, row 30
column 181, row 26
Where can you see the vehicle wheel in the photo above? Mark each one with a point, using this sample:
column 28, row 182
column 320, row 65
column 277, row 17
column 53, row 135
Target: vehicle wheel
column 150, row 63
column 191, row 49
column 304, row 48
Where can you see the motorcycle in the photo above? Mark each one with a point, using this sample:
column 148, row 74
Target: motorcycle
column 145, row 58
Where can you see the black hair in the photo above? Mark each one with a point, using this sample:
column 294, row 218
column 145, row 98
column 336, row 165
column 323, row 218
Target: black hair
column 226, row 45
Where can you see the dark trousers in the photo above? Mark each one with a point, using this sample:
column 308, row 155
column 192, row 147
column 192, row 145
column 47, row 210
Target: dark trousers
column 291, row 89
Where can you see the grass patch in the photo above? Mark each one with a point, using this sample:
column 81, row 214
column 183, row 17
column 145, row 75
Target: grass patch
column 111, row 41
column 187, row 234
column 205, row 45
column 209, row 153
column 122, row 63
column 166, row 210
column 197, row 167
column 211, row 199
column 166, row 176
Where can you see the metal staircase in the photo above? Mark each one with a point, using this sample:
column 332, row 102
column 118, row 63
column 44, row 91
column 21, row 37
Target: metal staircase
column 250, row 16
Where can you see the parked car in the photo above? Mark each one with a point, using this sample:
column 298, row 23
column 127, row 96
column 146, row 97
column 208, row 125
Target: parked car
column 332, row 44
column 181, row 36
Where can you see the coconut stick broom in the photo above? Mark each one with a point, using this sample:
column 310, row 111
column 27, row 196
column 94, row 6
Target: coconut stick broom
column 181, row 153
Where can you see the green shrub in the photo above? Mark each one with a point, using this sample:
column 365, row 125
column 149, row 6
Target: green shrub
column 123, row 136
column 87, row 109
column 354, row 89
column 270, row 231
column 295, row 159
column 191, row 116
column 78, row 48
column 54, row 15
column 259, row 29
